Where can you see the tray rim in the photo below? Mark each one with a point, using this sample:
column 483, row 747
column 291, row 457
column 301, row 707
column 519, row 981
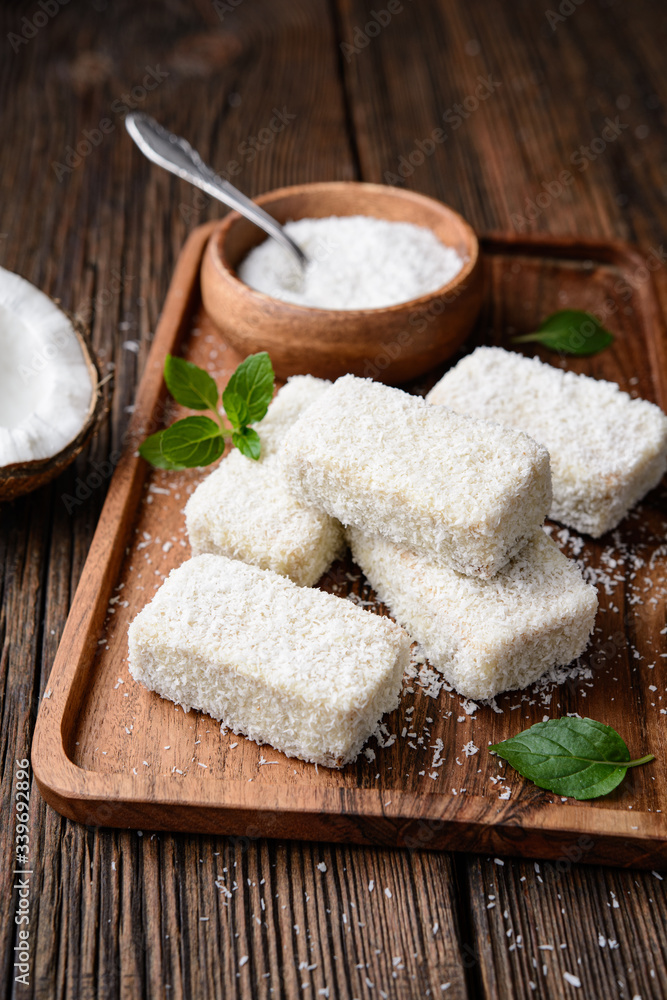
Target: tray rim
column 214, row 805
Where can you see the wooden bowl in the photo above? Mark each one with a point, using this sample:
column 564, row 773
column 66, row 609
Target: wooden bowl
column 392, row 344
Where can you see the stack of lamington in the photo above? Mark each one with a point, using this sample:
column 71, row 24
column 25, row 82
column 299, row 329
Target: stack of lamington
column 444, row 515
column 443, row 507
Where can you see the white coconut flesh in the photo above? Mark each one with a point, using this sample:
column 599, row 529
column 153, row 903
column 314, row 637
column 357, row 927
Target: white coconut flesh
column 45, row 381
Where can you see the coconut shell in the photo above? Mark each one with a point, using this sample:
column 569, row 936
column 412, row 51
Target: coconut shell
column 23, row 477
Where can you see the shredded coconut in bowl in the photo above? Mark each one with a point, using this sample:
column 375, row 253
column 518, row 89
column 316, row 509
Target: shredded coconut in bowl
column 356, row 262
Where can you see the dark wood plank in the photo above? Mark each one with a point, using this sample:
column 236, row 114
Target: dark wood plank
column 114, row 914
column 24, row 549
column 538, row 923
column 555, row 89
column 558, row 87
column 239, row 917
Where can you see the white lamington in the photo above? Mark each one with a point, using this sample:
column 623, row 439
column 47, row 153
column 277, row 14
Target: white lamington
column 607, row 450
column 485, row 636
column 307, row 672
column 244, row 510
column 464, row 492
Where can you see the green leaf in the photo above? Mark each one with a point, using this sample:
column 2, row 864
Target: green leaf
column 252, row 383
column 248, row 443
column 570, row 331
column 192, row 442
column 151, row 450
column 576, row 757
column 236, row 409
column 198, row 441
column 190, row 385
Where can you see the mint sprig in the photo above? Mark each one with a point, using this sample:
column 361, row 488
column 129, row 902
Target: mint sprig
column 570, row 331
column 197, row 441
column 247, row 441
column 251, row 387
column 151, row 450
column 574, row 757
column 193, row 441
column 190, row 385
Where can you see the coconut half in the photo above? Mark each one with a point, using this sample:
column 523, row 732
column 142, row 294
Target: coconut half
column 49, row 395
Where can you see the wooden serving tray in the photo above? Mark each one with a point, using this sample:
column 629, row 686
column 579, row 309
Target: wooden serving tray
column 107, row 752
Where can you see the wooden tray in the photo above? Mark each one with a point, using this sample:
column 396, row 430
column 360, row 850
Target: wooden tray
column 108, row 753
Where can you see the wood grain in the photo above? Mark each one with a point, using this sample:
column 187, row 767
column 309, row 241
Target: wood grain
column 107, row 752
column 535, row 922
column 114, row 214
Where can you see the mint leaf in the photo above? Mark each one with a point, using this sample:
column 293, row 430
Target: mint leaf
column 190, row 385
column 198, row 441
column 151, row 450
column 236, row 409
column 248, row 443
column 192, row 442
column 575, row 757
column 570, row 331
column 252, row 382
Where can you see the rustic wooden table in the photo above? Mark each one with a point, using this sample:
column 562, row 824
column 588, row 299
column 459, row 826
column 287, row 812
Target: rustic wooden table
column 276, row 94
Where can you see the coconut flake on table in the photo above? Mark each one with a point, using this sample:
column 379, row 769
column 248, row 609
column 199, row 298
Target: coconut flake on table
column 356, row 262
column 45, row 384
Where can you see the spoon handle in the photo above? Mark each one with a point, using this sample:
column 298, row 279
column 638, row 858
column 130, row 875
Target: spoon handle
column 176, row 155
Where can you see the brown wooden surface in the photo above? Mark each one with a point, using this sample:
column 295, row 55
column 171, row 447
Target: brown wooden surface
column 118, row 914
column 107, row 752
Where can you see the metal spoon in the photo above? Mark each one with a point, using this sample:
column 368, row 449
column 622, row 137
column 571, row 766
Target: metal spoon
column 177, row 155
